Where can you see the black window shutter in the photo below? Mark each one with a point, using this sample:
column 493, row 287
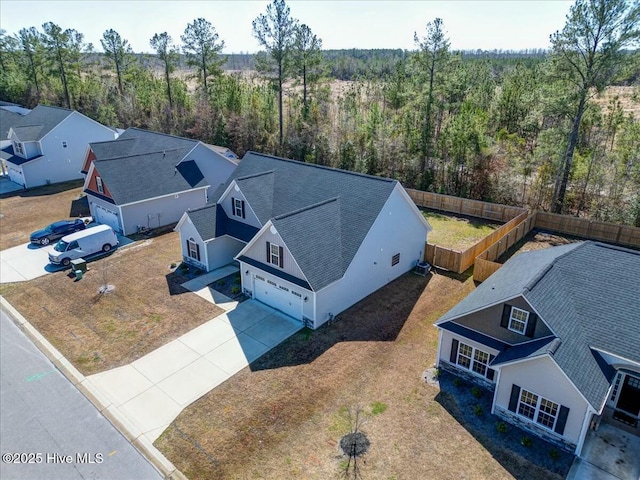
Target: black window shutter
column 562, row 420
column 233, row 206
column 515, row 396
column 506, row 313
column 454, row 351
column 197, row 252
column 531, row 325
column 188, row 249
column 268, row 252
column 242, row 203
column 280, row 254
column 490, row 371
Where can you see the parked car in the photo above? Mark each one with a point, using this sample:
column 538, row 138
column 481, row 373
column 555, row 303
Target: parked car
column 56, row 231
column 93, row 240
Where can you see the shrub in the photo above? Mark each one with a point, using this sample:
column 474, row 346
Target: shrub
column 173, row 265
column 526, row 442
column 554, row 454
column 457, row 382
column 501, row 427
column 197, row 271
column 478, row 410
column 235, row 290
column 476, row 392
column 220, row 283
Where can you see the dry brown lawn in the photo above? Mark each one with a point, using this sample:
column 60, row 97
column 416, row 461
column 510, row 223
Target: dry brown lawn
column 283, row 416
column 147, row 308
column 23, row 212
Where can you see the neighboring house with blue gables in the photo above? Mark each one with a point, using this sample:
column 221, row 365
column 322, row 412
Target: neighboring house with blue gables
column 148, row 180
column 555, row 333
column 311, row 241
column 49, row 144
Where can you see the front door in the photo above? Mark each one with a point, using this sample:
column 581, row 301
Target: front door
column 629, row 400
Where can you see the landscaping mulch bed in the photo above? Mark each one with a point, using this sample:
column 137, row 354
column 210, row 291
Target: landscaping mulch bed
column 230, row 286
column 471, row 406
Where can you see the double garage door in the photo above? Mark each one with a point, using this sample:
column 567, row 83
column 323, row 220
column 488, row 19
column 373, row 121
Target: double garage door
column 279, row 296
column 106, row 217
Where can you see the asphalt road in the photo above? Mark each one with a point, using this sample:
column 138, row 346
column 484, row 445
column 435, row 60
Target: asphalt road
column 48, row 429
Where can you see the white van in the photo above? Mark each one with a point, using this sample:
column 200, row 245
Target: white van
column 86, row 242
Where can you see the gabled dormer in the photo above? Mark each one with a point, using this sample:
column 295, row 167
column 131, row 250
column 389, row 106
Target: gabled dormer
column 236, row 206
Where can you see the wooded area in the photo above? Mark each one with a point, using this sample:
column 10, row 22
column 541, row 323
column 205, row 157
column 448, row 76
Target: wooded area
column 556, row 130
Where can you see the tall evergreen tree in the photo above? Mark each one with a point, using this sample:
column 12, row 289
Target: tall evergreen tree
column 275, row 31
column 63, row 48
column 307, row 56
column 202, row 47
column 585, row 55
column 118, row 50
column 162, row 43
column 433, row 50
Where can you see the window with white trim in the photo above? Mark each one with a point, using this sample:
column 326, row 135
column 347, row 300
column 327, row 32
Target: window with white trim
column 99, row 185
column 473, row 359
column 194, row 251
column 534, row 407
column 275, row 254
column 18, row 148
column 518, row 320
column 238, row 207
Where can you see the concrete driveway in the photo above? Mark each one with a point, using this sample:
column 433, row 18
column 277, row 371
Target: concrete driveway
column 152, row 391
column 608, row 454
column 25, row 262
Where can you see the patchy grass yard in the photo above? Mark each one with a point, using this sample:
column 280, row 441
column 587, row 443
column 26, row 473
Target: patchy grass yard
column 284, row 415
column 457, row 232
column 146, row 309
column 23, row 212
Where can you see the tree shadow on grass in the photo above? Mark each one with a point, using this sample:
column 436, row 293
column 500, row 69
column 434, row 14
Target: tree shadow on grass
column 471, row 407
column 377, row 318
column 43, row 190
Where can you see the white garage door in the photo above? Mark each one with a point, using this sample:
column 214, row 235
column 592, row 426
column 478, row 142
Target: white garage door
column 106, row 217
column 16, row 175
column 279, row 297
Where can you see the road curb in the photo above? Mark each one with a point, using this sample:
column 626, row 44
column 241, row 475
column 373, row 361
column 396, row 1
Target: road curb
column 143, row 445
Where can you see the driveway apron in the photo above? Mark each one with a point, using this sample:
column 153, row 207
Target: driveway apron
column 24, row 262
column 152, row 391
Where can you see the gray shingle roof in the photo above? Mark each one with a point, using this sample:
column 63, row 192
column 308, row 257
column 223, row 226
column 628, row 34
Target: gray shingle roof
column 535, row 348
column 315, row 209
column 589, row 295
column 33, row 126
column 7, row 120
column 139, row 177
column 140, row 164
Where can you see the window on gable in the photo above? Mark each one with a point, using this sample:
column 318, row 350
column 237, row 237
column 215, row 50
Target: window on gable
column 518, row 320
column 395, row 260
column 193, row 249
column 99, row 185
column 237, row 205
column 275, row 254
column 18, row 148
column 542, row 411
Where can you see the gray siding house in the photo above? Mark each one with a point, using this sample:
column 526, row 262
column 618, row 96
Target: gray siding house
column 148, row 180
column 310, row 240
column 555, row 335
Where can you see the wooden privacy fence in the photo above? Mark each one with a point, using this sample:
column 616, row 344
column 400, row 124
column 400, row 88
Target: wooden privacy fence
column 519, row 222
column 583, row 228
column 459, row 261
column 464, row 206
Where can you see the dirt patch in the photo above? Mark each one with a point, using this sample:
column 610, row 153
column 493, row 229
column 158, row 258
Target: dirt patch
column 537, row 240
column 98, row 331
column 284, row 415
